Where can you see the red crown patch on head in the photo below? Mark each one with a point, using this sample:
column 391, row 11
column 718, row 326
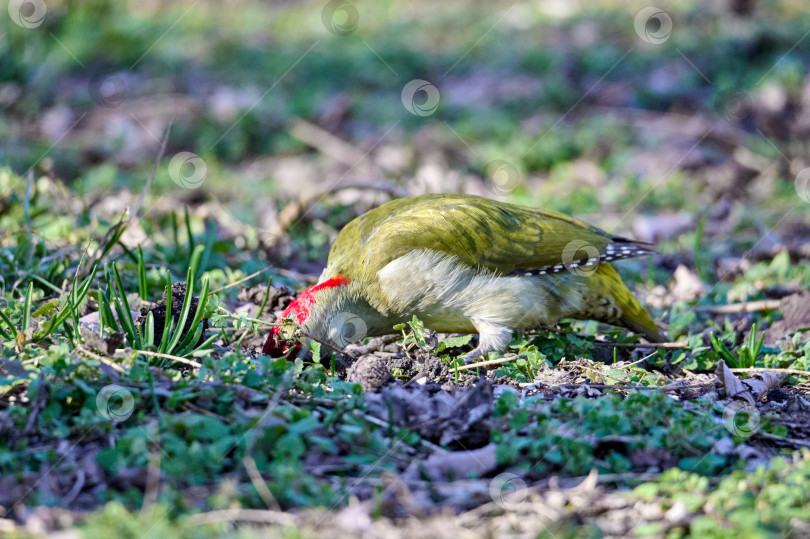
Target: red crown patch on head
column 298, row 311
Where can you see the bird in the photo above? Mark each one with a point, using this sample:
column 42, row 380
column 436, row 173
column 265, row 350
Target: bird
column 464, row 264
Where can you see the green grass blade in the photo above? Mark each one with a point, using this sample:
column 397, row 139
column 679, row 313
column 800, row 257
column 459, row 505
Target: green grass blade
column 149, row 332
column 26, row 321
column 194, row 338
column 72, row 303
column 190, row 278
column 120, row 228
column 3, row 332
column 188, row 232
column 142, row 290
column 206, row 345
column 266, row 298
column 721, row 348
column 105, row 306
column 175, row 234
column 198, row 314
column 102, row 316
column 119, row 300
column 181, row 323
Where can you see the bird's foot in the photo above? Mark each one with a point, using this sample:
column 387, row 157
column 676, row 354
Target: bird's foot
column 469, row 357
column 492, row 337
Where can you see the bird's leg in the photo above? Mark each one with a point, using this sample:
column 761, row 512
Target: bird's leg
column 492, row 337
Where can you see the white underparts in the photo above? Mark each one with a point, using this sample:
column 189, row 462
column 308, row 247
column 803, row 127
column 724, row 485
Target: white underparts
column 452, row 296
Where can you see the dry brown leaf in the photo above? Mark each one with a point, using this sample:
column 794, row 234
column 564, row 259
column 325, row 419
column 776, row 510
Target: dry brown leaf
column 751, row 389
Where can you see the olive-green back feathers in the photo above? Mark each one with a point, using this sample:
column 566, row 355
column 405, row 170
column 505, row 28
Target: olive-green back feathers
column 499, row 237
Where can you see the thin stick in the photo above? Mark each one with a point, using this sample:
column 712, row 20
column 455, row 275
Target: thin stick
column 488, row 363
column 240, row 281
column 294, row 211
column 246, row 515
column 667, row 387
column 648, row 356
column 679, row 344
column 774, row 437
column 745, row 307
column 151, row 177
column 754, row 370
column 259, row 484
column 327, row 143
column 107, row 361
column 300, row 277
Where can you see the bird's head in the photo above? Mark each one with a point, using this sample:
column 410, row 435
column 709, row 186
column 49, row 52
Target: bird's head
column 321, row 311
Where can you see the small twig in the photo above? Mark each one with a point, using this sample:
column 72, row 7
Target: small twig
column 296, row 209
column 327, row 143
column 151, row 177
column 33, row 360
column 489, row 363
column 259, row 484
column 240, row 281
column 679, row 344
column 105, row 360
column 75, row 489
column 754, row 370
column 246, row 515
column 774, row 437
column 668, row 387
column 152, row 487
column 744, row 307
column 295, row 275
column 123, row 221
column 645, row 358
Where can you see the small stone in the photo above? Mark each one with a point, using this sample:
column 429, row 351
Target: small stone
column 370, row 372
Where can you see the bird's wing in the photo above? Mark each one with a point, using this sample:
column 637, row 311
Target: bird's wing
column 500, row 237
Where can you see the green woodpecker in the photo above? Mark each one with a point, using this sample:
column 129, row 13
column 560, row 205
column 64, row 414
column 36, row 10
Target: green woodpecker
column 465, row 264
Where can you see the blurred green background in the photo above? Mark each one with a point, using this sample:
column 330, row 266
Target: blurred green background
column 641, row 121
column 579, row 111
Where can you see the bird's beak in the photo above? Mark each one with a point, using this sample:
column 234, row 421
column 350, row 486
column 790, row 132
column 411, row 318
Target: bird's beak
column 277, row 346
